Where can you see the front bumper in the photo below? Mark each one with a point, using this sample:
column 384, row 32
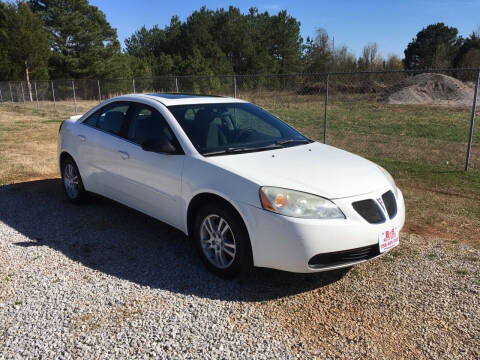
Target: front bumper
column 287, row 243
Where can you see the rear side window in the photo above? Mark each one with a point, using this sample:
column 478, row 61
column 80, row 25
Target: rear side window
column 110, row 118
column 148, row 124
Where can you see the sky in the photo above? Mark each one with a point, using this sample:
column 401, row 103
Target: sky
column 390, row 23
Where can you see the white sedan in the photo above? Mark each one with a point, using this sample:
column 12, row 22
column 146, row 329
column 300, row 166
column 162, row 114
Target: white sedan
column 247, row 188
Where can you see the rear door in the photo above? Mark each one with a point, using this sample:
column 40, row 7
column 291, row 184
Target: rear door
column 100, row 153
column 151, row 181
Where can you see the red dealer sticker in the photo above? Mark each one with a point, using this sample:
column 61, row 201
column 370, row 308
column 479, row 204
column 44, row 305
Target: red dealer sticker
column 388, row 239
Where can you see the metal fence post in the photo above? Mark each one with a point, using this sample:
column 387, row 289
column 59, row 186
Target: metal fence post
column 472, row 122
column 99, row 93
column 11, row 95
column 176, row 84
column 23, row 93
column 1, row 97
column 234, row 86
column 36, row 93
column 53, row 95
column 74, row 96
column 325, row 114
column 133, row 83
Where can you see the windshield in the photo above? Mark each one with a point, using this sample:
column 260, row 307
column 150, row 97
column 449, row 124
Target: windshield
column 216, row 129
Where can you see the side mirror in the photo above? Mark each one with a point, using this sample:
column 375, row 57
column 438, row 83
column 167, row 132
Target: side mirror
column 159, row 145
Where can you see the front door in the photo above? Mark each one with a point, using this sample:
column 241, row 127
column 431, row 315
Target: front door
column 152, row 182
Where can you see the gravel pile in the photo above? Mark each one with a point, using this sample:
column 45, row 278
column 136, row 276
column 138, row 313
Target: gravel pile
column 102, row 281
column 430, row 88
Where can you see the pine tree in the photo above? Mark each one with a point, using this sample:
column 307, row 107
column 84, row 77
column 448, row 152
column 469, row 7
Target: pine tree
column 434, row 47
column 82, row 41
column 27, row 44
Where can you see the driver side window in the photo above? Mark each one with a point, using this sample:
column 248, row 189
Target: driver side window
column 148, row 124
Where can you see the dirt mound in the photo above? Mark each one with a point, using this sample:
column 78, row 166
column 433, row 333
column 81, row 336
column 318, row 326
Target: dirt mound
column 430, row 88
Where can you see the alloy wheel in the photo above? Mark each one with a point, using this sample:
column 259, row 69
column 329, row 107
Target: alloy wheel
column 71, row 181
column 217, row 241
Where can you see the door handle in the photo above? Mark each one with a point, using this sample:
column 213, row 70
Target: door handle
column 82, row 138
column 123, row 154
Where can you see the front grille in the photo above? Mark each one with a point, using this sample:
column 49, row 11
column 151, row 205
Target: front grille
column 390, row 204
column 343, row 257
column 369, row 210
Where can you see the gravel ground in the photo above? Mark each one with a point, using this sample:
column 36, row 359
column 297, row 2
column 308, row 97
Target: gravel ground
column 103, row 281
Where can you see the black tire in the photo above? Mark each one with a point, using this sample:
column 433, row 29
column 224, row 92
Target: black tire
column 242, row 261
column 69, row 169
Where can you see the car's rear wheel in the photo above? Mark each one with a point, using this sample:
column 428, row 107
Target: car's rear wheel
column 222, row 240
column 72, row 181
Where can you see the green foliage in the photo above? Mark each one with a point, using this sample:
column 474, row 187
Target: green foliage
column 72, row 39
column 221, row 42
column 7, row 67
column 434, row 47
column 28, row 42
column 321, row 56
column 83, row 43
column 23, row 47
column 469, row 53
column 319, row 53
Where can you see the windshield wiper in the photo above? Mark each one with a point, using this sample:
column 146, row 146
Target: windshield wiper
column 220, row 152
column 242, row 150
column 291, row 141
column 237, row 150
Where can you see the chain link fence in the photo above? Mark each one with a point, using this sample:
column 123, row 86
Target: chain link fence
column 413, row 117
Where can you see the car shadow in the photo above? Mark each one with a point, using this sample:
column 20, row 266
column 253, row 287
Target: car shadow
column 124, row 243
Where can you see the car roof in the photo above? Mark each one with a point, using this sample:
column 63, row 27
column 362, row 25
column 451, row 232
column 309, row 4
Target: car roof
column 171, row 99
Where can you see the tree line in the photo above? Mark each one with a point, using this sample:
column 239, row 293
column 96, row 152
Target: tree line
column 60, row 39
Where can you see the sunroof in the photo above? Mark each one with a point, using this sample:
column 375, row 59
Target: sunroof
column 177, row 96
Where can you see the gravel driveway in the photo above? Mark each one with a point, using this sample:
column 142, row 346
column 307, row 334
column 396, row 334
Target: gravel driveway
column 103, row 281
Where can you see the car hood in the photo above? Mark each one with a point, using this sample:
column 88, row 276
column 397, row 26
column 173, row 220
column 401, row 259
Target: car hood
column 314, row 168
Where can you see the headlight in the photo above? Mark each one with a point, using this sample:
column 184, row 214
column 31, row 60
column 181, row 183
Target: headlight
column 390, row 179
column 298, row 204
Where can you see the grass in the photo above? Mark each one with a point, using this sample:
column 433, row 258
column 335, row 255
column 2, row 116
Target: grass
column 28, row 141
column 423, row 147
column 436, row 176
column 363, row 114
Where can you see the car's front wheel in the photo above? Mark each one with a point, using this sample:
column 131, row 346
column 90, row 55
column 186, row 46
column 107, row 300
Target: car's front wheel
column 72, row 181
column 222, row 240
